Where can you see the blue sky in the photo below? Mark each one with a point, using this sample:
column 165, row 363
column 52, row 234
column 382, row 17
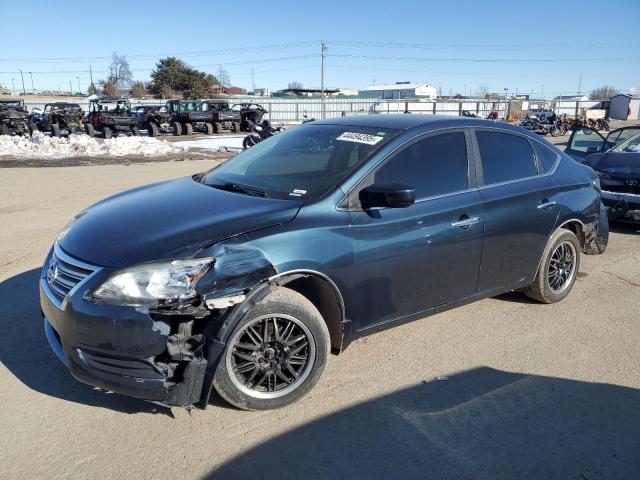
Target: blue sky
column 457, row 45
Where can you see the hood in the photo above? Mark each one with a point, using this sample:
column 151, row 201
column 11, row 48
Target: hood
column 615, row 162
column 167, row 220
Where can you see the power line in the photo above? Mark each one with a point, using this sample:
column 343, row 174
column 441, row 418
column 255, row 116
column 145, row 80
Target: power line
column 476, row 60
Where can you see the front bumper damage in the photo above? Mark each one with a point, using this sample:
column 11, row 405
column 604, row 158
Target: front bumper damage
column 167, row 355
column 623, row 207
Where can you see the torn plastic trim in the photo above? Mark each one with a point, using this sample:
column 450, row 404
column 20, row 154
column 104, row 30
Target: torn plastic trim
column 219, row 303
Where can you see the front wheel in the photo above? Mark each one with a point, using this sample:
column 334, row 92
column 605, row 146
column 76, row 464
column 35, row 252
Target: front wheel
column 275, row 355
column 249, row 141
column 152, row 129
column 90, row 130
column 135, row 131
column 55, row 130
column 558, row 268
column 177, row 128
column 107, row 132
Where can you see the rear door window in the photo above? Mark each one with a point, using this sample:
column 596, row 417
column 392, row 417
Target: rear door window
column 505, row 157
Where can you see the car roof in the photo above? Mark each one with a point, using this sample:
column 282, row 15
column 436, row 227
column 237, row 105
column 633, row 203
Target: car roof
column 407, row 121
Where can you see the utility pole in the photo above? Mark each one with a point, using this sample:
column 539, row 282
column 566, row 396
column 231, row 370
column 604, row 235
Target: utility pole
column 24, row 91
column 580, row 85
column 13, row 84
column 33, row 89
column 91, row 74
column 253, row 80
column 79, row 89
column 70, row 88
column 323, row 52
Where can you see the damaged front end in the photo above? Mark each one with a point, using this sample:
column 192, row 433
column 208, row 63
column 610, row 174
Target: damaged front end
column 164, row 351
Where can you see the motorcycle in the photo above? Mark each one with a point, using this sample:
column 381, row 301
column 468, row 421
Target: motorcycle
column 259, row 133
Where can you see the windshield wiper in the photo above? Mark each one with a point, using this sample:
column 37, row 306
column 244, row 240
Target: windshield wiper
column 234, row 187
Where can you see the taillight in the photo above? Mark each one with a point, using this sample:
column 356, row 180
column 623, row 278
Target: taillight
column 189, row 116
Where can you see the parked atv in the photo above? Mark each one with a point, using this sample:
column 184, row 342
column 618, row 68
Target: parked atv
column 249, row 112
column 154, row 118
column 14, row 118
column 110, row 115
column 58, row 117
column 205, row 116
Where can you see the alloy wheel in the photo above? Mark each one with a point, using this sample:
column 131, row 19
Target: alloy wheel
column 561, row 267
column 271, row 356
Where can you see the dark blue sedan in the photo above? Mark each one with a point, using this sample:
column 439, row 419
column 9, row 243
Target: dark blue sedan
column 245, row 277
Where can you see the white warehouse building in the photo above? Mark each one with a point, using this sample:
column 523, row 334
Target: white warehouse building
column 400, row 90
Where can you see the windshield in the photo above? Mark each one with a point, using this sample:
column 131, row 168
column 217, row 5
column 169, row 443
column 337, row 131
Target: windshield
column 302, row 162
column 631, row 144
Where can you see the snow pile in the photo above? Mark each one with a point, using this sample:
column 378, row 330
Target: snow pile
column 226, row 143
column 41, row 146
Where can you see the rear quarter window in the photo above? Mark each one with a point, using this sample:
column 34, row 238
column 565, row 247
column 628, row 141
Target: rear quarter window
column 505, row 157
column 546, row 156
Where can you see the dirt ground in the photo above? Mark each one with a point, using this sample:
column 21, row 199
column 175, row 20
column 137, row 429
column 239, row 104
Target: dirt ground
column 529, row 390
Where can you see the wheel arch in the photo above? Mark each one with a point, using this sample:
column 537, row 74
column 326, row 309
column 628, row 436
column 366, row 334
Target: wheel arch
column 325, row 295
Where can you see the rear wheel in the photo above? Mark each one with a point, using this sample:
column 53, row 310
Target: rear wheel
column 187, row 128
column 558, row 269
column 90, row 130
column 152, row 129
column 55, row 130
column 106, row 132
column 135, row 131
column 177, row 128
column 4, row 130
column 216, row 127
column 208, row 128
column 276, row 354
column 235, row 127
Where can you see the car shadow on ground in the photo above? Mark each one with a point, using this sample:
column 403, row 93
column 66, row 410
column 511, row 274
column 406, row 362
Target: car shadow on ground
column 25, row 352
column 624, row 228
column 479, row 424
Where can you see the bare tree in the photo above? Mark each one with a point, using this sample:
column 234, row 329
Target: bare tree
column 295, row 85
column 109, row 89
column 223, row 77
column 483, row 89
column 119, row 72
column 603, row 93
column 138, row 89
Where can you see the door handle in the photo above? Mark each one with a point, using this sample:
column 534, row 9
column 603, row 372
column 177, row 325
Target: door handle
column 546, row 204
column 465, row 222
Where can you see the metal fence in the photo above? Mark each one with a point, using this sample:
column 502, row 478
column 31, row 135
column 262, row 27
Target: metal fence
column 295, row 109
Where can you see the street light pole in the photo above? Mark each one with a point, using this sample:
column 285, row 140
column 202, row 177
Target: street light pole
column 24, row 91
column 79, row 89
column 33, row 89
column 13, row 84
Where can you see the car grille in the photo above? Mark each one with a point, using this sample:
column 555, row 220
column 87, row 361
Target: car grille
column 64, row 273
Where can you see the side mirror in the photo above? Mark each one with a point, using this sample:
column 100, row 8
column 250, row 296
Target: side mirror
column 389, row 195
column 593, row 149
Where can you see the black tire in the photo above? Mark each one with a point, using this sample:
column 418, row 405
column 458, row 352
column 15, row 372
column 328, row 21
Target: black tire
column 4, row 130
column 208, row 128
column 107, row 132
column 90, row 130
column 177, row 128
column 72, row 130
column 541, row 289
column 55, row 130
column 33, row 128
column 249, row 141
column 187, row 129
column 290, row 308
column 216, row 127
column 135, row 131
column 152, row 129
column 235, row 127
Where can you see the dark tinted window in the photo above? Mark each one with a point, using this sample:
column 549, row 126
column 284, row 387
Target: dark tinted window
column 505, row 157
column 546, row 156
column 433, row 166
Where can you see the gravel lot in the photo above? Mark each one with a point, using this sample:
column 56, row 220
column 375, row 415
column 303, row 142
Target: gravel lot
column 533, row 391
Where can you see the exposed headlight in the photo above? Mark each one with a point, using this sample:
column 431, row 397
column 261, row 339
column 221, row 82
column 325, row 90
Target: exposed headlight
column 150, row 282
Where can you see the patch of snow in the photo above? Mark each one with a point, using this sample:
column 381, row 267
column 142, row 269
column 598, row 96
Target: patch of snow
column 225, row 143
column 41, row 146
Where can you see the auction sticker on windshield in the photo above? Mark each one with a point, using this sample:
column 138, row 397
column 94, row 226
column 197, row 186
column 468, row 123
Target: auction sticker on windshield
column 359, row 138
